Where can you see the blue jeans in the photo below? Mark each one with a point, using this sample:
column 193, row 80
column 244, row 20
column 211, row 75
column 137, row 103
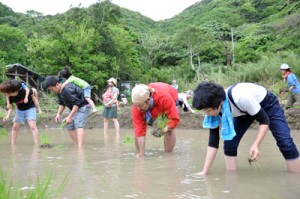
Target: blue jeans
column 21, row 116
column 278, row 126
column 79, row 118
column 87, row 91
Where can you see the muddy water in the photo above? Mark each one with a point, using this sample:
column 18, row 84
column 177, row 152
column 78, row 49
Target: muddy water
column 107, row 168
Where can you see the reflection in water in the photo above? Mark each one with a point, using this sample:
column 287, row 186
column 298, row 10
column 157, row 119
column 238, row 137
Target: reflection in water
column 107, row 168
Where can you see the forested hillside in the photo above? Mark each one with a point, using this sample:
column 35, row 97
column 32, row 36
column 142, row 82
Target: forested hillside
column 208, row 38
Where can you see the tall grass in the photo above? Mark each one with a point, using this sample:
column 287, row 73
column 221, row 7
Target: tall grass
column 41, row 189
column 265, row 72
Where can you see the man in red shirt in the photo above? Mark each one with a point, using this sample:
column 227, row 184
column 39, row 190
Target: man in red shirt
column 149, row 102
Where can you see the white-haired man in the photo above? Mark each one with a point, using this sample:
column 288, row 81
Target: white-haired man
column 149, row 102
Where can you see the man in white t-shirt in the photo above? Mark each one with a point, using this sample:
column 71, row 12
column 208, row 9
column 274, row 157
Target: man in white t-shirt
column 246, row 102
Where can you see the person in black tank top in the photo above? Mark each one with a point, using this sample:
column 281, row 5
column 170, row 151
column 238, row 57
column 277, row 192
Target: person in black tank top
column 15, row 94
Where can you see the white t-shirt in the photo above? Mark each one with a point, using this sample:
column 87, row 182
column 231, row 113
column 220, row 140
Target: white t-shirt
column 182, row 98
column 247, row 97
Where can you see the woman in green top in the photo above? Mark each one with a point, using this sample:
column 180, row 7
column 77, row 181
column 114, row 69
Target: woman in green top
column 65, row 73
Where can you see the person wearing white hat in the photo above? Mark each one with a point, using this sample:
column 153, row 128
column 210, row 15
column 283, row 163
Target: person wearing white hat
column 149, row 102
column 293, row 86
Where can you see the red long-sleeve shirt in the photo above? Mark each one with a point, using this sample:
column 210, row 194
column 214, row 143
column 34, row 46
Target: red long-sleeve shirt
column 164, row 97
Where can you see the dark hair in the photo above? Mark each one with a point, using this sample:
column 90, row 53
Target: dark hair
column 10, row 86
column 208, row 95
column 51, row 81
column 65, row 73
column 108, row 86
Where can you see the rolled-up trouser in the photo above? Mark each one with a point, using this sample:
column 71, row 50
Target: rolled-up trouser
column 278, row 126
column 292, row 99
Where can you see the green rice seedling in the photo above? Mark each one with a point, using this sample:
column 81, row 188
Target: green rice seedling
column 255, row 164
column 162, row 121
column 62, row 124
column 40, row 190
column 6, row 190
column 44, row 138
column 128, row 140
column 3, row 132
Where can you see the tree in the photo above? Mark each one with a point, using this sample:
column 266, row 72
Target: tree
column 193, row 39
column 221, row 32
column 151, row 44
column 12, row 45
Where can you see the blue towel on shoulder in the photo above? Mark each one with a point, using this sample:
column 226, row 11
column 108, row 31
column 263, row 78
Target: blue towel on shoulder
column 148, row 116
column 212, row 122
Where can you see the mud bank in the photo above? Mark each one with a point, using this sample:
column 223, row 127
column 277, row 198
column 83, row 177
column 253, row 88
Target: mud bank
column 187, row 120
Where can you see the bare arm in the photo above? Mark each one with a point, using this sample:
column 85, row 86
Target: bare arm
column 59, row 112
column 9, row 109
column 35, row 100
column 291, row 88
column 210, row 157
column 26, row 95
column 110, row 102
column 140, row 146
column 185, row 101
column 70, row 116
column 263, row 120
column 254, row 152
column 113, row 100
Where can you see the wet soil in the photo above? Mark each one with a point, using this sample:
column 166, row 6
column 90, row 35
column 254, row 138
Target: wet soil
column 187, row 120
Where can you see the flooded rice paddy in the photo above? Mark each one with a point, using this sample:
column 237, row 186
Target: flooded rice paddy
column 107, row 167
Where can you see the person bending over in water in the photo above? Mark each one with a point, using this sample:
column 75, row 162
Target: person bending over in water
column 148, row 103
column 14, row 93
column 235, row 109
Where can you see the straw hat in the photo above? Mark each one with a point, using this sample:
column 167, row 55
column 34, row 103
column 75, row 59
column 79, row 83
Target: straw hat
column 113, row 80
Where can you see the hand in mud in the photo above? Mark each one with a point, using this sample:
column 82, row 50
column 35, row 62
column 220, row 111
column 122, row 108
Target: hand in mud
column 254, row 153
column 251, row 160
column 156, row 132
